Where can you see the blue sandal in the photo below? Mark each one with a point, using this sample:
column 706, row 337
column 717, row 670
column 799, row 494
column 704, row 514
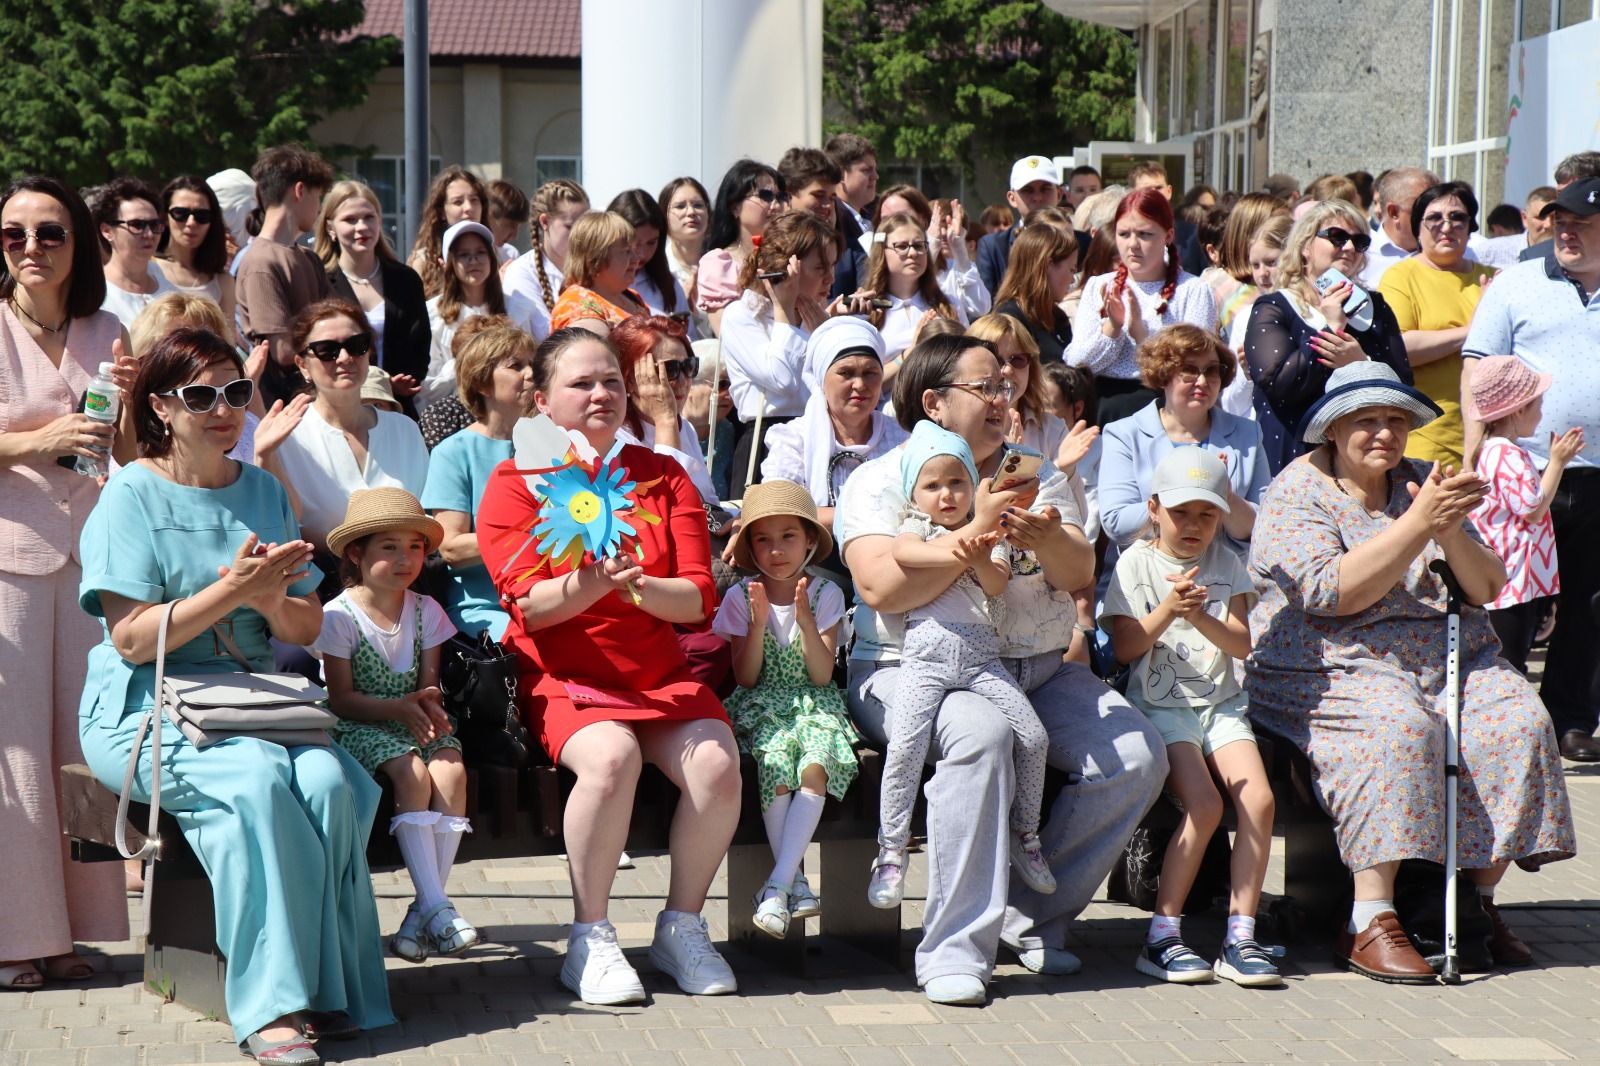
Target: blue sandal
column 410, row 941
column 452, row 934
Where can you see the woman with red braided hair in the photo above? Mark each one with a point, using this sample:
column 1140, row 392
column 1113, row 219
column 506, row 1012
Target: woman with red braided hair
column 1147, row 290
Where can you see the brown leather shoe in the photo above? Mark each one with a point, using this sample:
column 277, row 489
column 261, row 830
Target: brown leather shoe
column 1384, row 953
column 1579, row 746
column 1505, row 947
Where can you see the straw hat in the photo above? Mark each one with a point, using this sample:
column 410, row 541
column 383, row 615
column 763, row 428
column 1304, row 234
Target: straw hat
column 777, row 498
column 382, row 511
column 1357, row 386
column 1503, row 385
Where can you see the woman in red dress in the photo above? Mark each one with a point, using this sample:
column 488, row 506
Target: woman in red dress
column 606, row 686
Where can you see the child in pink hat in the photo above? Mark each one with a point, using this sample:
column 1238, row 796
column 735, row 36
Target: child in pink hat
column 1514, row 517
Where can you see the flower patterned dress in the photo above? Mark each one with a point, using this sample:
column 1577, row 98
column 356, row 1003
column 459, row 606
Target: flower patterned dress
column 1363, row 695
column 786, row 723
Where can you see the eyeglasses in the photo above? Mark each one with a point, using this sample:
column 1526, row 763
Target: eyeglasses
column 149, row 227
column 470, row 257
column 680, row 369
column 1192, row 374
column 1016, row 362
column 49, row 236
column 358, row 345
column 767, row 196
column 1340, row 237
column 202, row 399
column 907, row 248
column 991, row 390
column 1453, row 219
column 180, row 215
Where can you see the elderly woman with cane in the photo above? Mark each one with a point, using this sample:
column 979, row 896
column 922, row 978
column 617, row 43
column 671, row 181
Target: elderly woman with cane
column 1350, row 666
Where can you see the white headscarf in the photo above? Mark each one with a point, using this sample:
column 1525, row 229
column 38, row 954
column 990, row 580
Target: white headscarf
column 835, row 339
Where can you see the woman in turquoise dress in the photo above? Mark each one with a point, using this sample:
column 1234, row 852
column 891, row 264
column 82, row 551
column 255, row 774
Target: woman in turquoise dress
column 281, row 831
column 494, row 371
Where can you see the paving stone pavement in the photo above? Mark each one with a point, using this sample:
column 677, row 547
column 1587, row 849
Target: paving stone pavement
column 501, row 1004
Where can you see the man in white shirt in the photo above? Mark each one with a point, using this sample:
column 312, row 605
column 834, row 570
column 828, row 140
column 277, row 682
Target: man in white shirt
column 1035, row 183
column 1397, row 190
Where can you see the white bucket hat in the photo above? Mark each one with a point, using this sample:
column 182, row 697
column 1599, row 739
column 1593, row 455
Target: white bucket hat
column 1364, row 383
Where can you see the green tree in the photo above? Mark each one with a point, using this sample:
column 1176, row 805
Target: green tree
column 94, row 88
column 964, row 81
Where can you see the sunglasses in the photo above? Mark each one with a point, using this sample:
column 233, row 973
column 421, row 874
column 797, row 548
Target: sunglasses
column 1454, row 218
column 202, row 399
column 358, row 345
column 145, row 226
column 1339, row 238
column 767, row 196
column 49, row 236
column 180, row 215
column 680, row 369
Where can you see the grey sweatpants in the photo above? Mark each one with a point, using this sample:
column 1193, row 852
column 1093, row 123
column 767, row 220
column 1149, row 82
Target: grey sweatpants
column 1116, row 765
column 941, row 658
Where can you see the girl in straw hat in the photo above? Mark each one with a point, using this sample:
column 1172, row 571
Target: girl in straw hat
column 380, row 653
column 787, row 712
column 1514, row 517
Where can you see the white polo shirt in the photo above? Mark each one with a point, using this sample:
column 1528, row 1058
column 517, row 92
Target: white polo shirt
column 1535, row 312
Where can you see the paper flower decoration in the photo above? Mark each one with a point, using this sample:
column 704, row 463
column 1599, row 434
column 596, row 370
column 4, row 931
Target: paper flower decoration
column 586, row 510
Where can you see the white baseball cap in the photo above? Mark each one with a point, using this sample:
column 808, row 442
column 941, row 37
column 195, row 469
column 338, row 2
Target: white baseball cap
column 1190, row 474
column 461, row 229
column 1034, row 168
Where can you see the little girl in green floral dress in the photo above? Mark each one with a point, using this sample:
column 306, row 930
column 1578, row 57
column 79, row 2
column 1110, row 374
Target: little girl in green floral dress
column 380, row 655
column 787, row 713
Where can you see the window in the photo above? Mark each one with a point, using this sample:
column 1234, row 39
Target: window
column 550, row 167
column 386, row 174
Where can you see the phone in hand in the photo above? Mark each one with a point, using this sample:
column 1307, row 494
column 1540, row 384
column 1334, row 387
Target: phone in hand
column 773, row 276
column 1334, row 276
column 1018, row 464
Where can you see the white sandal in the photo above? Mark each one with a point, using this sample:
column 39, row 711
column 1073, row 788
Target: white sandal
column 452, row 934
column 410, row 941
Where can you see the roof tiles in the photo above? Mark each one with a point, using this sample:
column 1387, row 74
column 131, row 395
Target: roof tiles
column 522, row 29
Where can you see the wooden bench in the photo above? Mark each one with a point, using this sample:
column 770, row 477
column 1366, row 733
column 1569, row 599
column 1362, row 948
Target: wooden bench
column 515, row 813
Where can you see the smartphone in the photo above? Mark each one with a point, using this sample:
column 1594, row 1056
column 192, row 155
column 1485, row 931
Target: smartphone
column 773, row 276
column 1333, row 276
column 1018, row 464
column 882, row 303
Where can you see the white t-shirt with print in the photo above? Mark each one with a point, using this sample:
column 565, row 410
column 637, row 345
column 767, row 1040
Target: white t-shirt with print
column 733, row 616
column 1183, row 668
column 344, row 623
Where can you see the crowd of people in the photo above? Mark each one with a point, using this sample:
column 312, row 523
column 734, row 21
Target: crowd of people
column 1092, row 480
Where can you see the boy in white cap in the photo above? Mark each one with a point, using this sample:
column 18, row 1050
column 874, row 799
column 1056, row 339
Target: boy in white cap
column 1035, row 183
column 1178, row 608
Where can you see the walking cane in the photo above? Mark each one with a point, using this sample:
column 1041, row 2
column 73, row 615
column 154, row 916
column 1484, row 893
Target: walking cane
column 1450, row 972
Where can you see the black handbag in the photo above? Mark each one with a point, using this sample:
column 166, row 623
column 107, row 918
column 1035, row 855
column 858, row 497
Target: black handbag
column 478, row 679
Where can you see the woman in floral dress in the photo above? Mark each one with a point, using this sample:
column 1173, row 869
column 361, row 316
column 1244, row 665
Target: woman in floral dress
column 1350, row 657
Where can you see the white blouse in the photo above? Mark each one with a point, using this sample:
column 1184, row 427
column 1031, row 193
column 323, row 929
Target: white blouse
column 1113, row 357
column 766, row 360
column 318, row 462
column 688, row 454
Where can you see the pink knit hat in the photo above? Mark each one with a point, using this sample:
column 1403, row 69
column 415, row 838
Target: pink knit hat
column 1503, row 385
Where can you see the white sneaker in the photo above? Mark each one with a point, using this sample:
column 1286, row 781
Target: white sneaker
column 1027, row 857
column 682, row 950
column 597, row 971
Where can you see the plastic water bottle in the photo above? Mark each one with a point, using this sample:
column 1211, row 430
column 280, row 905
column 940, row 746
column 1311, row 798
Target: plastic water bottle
column 102, row 401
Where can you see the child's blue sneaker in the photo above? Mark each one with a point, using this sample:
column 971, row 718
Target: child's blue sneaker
column 1171, row 960
column 1248, row 964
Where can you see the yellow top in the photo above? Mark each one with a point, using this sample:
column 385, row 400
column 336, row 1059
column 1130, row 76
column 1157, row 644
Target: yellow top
column 1426, row 298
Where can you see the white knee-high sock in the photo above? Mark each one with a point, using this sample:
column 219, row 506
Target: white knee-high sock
column 774, row 818
column 447, row 833
column 805, row 811
column 413, row 831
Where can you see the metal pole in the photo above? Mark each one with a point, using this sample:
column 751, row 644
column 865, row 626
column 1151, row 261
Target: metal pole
column 416, row 121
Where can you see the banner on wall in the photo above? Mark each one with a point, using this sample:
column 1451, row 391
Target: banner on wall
column 1554, row 105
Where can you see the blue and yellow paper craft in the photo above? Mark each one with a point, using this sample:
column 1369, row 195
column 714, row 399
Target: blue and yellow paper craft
column 586, row 506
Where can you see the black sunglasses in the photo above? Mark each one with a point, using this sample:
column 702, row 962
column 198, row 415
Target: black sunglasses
column 48, row 236
column 767, row 196
column 680, row 369
column 358, row 345
column 180, row 215
column 202, row 399
column 1339, row 238
column 149, row 226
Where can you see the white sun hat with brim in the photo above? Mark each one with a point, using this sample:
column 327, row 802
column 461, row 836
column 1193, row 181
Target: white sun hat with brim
column 1359, row 385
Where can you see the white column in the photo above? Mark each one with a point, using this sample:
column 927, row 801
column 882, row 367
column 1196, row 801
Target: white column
column 673, row 87
column 482, row 140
